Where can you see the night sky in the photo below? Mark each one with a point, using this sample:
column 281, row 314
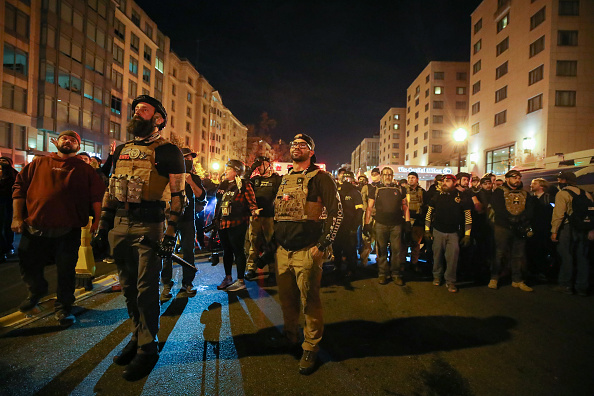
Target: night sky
column 330, row 69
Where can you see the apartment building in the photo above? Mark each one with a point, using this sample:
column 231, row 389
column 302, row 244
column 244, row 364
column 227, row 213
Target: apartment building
column 366, row 156
column 437, row 105
column 392, row 139
column 532, row 86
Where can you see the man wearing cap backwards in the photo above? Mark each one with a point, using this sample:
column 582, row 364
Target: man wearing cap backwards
column 196, row 197
column 303, row 238
column 134, row 206
column 51, row 200
column 265, row 184
column 513, row 208
column 368, row 190
column 447, row 211
column 391, row 217
column 572, row 237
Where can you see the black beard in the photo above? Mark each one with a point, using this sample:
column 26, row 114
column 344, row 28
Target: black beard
column 140, row 127
column 64, row 150
column 299, row 157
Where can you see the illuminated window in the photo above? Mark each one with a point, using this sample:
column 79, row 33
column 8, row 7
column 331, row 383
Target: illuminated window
column 502, row 23
column 437, row 90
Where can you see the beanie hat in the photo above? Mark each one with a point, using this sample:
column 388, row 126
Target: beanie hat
column 70, row 133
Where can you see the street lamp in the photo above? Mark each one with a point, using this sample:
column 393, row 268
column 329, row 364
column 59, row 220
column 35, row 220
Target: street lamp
column 215, row 166
column 460, row 136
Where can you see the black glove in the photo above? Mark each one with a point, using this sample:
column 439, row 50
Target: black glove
column 166, row 246
column 100, row 244
column 428, row 235
column 367, row 229
column 466, row 241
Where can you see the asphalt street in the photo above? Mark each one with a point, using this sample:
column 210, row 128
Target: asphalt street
column 379, row 340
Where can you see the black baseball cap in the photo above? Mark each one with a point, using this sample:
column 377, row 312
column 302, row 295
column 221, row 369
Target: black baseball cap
column 153, row 102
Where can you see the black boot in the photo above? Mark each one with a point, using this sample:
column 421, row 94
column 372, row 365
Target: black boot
column 140, row 366
column 126, row 355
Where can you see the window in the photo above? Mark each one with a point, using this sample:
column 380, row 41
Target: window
column 565, row 98
column 132, row 89
column 119, row 29
column 436, row 148
column 427, row 78
column 117, row 78
column 478, row 26
column 407, row 157
column 50, row 72
column 502, row 23
column 16, row 22
column 500, row 160
column 416, row 127
column 537, row 46
column 133, row 66
column 65, row 45
column 189, row 97
column 116, row 105
column 426, row 121
column 102, row 9
column 416, row 141
column 567, row 68
column 461, row 105
column 396, row 126
column 66, row 12
column 416, row 101
column 146, row 75
column 159, row 64
column 396, row 136
column 567, row 37
column 438, row 75
column 437, row 90
column 147, row 53
column 114, row 130
column 425, row 150
column 476, row 87
column 189, row 112
column 476, row 67
column 118, row 55
column 438, row 119
column 501, row 94
column 474, row 129
column 190, row 81
column 427, row 92
column 173, row 90
column 13, row 97
column 134, row 42
column 48, row 36
column 15, row 60
column 436, row 133
column 418, row 90
column 77, row 21
column 460, row 90
column 477, row 46
column 395, row 145
column 501, row 118
column 534, row 103
column 502, row 46
column 426, row 106
column 148, row 30
column 416, row 115
column 569, row 7
column 537, row 18
column 476, row 107
column 415, row 154
column 461, row 76
column 501, row 71
column 135, row 18
column 536, row 75
column 396, row 116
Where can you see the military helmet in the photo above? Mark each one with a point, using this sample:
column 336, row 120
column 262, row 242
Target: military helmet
column 237, row 165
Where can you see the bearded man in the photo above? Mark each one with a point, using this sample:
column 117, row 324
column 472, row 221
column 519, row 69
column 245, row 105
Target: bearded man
column 51, row 200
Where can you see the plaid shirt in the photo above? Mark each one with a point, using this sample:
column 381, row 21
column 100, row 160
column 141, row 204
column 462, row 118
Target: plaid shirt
column 246, row 196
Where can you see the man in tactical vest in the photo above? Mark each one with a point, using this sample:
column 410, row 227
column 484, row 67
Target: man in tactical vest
column 573, row 231
column 446, row 212
column 265, row 185
column 415, row 195
column 368, row 190
column 345, row 244
column 303, row 239
column 391, row 216
column 134, row 206
column 513, row 208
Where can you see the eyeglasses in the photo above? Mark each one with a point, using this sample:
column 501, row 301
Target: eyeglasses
column 301, row 145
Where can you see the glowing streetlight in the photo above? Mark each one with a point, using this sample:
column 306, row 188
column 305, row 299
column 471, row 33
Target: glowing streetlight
column 215, row 166
column 460, row 136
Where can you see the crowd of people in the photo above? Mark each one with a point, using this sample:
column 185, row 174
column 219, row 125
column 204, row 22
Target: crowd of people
column 147, row 198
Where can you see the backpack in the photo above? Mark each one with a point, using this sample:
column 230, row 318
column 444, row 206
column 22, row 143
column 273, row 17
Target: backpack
column 582, row 217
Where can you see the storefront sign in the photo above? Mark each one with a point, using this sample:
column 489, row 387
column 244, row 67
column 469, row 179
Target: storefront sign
column 444, row 171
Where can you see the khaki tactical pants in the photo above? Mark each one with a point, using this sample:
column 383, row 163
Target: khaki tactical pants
column 298, row 278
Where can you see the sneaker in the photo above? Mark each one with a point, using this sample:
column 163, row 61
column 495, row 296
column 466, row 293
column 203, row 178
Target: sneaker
column 126, row 355
column 522, row 286
column 140, row 366
column 189, row 290
column 225, row 283
column 307, row 364
column 30, row 303
column 398, row 280
column 563, row 289
column 436, row 282
column 382, row 280
column 65, row 319
column 237, row 286
column 492, row 284
column 250, row 275
column 166, row 293
column 452, row 288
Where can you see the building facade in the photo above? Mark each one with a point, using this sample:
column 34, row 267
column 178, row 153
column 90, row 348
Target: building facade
column 532, row 90
column 437, row 105
column 391, row 136
column 366, row 156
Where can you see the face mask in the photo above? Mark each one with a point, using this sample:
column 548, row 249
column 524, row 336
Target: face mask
column 189, row 165
column 562, row 185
